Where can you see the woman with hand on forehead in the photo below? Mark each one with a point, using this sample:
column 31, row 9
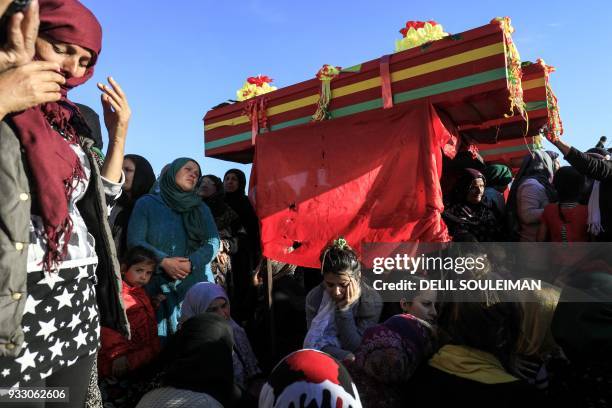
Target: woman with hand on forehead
column 180, row 230
column 340, row 309
column 60, row 278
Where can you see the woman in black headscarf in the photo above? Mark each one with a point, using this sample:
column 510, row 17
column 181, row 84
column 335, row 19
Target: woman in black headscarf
column 234, row 182
column 139, row 177
column 243, row 265
column 467, row 217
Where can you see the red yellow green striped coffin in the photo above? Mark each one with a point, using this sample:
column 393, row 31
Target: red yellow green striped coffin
column 464, row 74
column 507, row 134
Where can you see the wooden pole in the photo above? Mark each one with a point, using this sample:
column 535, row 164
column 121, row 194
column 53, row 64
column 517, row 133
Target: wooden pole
column 270, row 304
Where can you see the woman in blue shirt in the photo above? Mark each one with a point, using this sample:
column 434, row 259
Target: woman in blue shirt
column 179, row 228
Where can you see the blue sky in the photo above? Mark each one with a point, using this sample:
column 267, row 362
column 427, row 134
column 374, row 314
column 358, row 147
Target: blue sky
column 175, row 60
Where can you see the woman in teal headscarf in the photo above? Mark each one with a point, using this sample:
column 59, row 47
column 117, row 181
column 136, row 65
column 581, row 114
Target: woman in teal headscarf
column 179, row 228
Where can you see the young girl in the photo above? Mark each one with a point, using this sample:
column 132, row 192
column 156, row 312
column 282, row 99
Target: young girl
column 119, row 355
column 340, row 309
column 565, row 221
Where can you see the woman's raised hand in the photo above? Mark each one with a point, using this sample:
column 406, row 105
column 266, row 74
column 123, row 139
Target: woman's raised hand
column 21, row 38
column 117, row 115
column 117, row 110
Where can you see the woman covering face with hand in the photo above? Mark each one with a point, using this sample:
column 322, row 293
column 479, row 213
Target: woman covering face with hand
column 340, row 309
column 24, row 83
column 59, row 267
column 179, row 228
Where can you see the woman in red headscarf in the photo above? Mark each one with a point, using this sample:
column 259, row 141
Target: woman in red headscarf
column 59, row 278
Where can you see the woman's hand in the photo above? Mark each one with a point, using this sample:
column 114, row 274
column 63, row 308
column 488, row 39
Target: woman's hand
column 177, row 267
column 22, row 31
column 29, row 85
column 223, row 259
column 117, row 111
column 353, row 291
column 117, row 115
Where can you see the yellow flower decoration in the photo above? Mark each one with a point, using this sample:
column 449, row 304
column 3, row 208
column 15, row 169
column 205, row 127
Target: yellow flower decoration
column 417, row 33
column 255, row 86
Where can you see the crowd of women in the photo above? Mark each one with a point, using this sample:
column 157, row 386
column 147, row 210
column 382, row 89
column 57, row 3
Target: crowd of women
column 136, row 290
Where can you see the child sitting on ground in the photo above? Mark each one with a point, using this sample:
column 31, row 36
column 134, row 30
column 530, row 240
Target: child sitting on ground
column 118, row 355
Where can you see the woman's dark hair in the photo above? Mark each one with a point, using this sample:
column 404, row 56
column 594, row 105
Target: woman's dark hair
column 199, row 358
column 144, row 177
column 137, row 255
column 218, row 183
column 568, row 182
column 338, row 258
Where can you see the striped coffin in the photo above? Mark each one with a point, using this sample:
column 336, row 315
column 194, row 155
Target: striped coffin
column 466, row 70
column 541, row 108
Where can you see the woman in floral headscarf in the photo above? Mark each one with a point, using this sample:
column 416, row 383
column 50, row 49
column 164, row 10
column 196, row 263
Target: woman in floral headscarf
column 388, row 356
column 59, row 265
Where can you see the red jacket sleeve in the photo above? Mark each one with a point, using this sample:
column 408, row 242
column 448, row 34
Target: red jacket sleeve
column 114, row 345
column 144, row 345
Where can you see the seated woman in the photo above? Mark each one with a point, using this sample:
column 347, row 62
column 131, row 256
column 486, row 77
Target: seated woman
column 180, row 230
column 342, row 307
column 471, row 368
column 206, row 297
column 467, row 215
column 309, row 378
column 536, row 349
column 391, row 352
column 198, row 369
column 387, row 358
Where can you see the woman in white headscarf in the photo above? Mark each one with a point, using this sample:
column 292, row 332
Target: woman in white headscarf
column 206, row 297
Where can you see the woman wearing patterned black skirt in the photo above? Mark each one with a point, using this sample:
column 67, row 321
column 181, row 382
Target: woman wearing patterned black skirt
column 59, row 278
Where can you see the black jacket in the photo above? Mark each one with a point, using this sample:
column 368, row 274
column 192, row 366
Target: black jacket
column 600, row 170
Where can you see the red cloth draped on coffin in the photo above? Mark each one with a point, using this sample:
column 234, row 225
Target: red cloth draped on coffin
column 371, row 178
